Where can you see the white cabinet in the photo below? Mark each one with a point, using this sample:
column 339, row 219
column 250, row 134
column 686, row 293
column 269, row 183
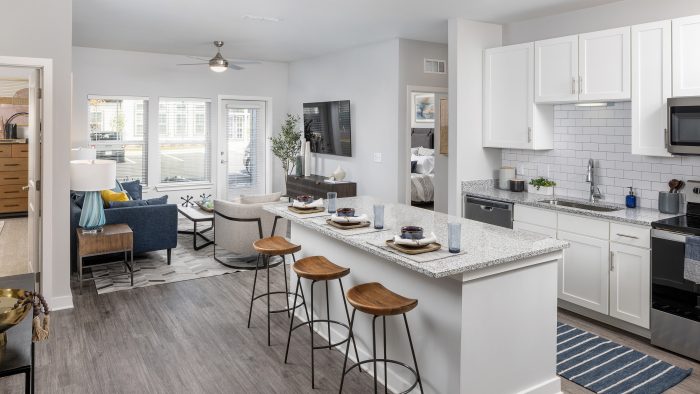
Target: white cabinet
column 511, row 118
column 686, row 56
column 630, row 283
column 534, row 228
column 604, row 65
column 651, row 87
column 583, row 272
column 556, row 70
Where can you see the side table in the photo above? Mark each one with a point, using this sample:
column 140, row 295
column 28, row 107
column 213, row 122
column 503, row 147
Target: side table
column 114, row 238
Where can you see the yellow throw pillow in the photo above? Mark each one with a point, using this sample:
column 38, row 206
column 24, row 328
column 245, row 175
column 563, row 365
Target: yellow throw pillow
column 109, row 196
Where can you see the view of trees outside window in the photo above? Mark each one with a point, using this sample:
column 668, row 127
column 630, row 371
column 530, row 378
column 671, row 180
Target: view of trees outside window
column 117, row 130
column 184, row 140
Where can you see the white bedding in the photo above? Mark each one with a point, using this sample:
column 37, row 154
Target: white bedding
column 422, row 187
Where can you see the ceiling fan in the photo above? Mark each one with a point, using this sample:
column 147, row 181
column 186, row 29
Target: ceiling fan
column 218, row 63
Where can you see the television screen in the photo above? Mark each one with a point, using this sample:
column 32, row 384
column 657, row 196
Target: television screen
column 327, row 127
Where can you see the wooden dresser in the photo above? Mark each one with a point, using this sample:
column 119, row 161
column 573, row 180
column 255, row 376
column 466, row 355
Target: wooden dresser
column 13, row 177
column 315, row 186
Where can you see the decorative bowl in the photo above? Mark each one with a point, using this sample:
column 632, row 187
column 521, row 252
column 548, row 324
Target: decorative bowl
column 305, row 198
column 12, row 314
column 345, row 212
column 411, row 232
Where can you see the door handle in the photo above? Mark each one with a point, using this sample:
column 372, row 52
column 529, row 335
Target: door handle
column 529, row 134
column 627, row 236
column 573, row 85
column 485, row 208
column 580, row 84
column 223, row 161
column 667, row 140
column 25, row 188
column 612, row 261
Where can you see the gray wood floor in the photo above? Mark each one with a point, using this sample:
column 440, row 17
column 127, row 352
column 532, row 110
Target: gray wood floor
column 191, row 337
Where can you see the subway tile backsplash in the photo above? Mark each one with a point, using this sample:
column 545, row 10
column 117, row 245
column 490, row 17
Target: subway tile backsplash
column 604, row 135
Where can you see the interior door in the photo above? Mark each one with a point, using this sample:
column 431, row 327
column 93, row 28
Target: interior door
column 34, row 138
column 243, row 153
column 556, row 70
column 441, row 162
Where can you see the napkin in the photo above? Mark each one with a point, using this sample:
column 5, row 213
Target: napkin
column 314, row 204
column 415, row 242
column 349, row 219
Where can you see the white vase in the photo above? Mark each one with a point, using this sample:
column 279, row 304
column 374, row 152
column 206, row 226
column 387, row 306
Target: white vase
column 339, row 174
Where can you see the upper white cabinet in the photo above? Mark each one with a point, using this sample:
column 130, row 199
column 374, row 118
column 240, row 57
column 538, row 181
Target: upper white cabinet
column 651, row 87
column 511, row 118
column 556, row 70
column 604, row 65
column 686, row 56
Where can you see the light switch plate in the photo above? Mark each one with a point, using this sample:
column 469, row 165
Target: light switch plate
column 377, row 157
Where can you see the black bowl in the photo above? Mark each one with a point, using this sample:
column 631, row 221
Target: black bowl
column 305, row 198
column 346, row 212
column 412, row 232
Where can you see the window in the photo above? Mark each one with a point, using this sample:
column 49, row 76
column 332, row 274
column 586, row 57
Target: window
column 184, row 140
column 117, row 128
column 238, row 124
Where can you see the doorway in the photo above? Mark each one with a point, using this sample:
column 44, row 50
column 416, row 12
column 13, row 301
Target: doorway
column 243, row 140
column 426, row 131
column 20, row 170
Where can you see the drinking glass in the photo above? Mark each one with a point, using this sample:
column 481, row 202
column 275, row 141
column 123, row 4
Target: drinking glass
column 454, row 236
column 378, row 216
column 332, row 198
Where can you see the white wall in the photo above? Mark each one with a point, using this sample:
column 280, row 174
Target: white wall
column 467, row 159
column 126, row 73
column 368, row 77
column 43, row 29
column 618, row 14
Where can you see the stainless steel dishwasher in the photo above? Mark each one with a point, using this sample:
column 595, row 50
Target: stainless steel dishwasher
column 489, row 211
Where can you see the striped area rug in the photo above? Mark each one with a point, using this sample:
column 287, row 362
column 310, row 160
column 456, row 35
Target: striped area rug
column 603, row 366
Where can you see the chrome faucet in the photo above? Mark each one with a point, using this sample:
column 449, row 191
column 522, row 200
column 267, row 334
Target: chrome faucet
column 594, row 193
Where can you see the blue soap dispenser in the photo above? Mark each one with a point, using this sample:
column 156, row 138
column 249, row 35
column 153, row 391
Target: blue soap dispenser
column 631, row 199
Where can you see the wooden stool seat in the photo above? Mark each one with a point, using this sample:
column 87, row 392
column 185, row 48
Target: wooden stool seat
column 319, row 268
column 377, row 300
column 275, row 246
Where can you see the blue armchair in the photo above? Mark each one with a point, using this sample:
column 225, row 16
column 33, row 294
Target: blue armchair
column 154, row 227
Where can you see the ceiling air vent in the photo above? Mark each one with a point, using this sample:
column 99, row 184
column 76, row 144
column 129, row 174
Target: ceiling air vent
column 434, row 66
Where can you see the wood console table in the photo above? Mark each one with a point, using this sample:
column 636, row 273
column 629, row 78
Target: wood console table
column 315, row 186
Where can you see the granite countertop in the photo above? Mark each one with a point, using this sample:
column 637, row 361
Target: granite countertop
column 483, row 245
column 487, row 189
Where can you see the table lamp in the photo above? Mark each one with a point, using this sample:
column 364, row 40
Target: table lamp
column 91, row 177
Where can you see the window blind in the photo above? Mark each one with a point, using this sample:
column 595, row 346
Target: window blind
column 184, row 140
column 245, row 136
column 118, row 129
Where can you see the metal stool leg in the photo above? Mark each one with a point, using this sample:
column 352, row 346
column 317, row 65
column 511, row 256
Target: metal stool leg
column 311, row 305
column 267, row 264
column 252, row 296
column 328, row 314
column 286, row 285
column 291, row 321
column 386, row 381
column 374, row 351
column 413, row 353
column 347, row 349
column 347, row 314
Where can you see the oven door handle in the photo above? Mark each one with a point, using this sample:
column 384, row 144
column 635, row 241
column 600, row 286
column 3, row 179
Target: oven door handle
column 668, row 235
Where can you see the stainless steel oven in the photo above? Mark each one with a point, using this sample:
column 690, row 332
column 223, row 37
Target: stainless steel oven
column 683, row 132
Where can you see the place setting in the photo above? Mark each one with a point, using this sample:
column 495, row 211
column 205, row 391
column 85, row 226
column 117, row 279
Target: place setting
column 418, row 245
column 307, row 206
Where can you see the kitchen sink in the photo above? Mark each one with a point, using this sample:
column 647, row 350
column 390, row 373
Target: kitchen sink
column 581, row 205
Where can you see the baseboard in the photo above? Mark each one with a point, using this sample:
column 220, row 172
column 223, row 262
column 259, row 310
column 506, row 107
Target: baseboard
column 609, row 320
column 60, row 303
column 362, row 352
column 551, row 386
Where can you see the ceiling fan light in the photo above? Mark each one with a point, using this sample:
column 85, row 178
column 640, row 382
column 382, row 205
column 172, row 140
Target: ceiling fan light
column 218, row 68
column 218, row 64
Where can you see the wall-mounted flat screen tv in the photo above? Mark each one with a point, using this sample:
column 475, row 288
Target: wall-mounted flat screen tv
column 327, row 127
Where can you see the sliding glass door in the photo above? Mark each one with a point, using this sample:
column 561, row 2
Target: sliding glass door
column 243, row 155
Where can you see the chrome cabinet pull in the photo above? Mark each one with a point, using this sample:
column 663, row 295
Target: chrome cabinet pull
column 529, row 134
column 667, row 140
column 580, row 84
column 573, row 85
column 627, row 236
column 612, row 261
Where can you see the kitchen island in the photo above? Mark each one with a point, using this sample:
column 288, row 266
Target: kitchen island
column 486, row 317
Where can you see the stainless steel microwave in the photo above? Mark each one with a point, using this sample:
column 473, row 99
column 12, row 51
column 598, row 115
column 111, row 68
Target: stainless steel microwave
column 683, row 132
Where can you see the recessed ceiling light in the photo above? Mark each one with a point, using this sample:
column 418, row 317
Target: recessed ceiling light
column 262, row 18
column 592, row 104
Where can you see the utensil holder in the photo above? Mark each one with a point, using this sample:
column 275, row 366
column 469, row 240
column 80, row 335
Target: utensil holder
column 669, row 202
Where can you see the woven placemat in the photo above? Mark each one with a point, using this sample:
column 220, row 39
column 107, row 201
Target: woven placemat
column 348, row 226
column 301, row 211
column 413, row 251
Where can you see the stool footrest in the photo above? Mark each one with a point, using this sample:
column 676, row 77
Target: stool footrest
column 329, row 346
column 381, row 360
column 300, row 302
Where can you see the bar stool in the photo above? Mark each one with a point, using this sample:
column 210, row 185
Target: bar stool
column 319, row 269
column 375, row 299
column 267, row 248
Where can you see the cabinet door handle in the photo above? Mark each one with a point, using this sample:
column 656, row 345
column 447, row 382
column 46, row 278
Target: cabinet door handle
column 612, row 262
column 529, row 134
column 667, row 139
column 580, row 84
column 573, row 85
column 485, row 208
column 627, row 236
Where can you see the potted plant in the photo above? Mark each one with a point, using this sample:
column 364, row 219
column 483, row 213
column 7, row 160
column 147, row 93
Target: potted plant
column 287, row 144
column 541, row 185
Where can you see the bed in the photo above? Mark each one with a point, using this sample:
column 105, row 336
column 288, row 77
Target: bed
column 422, row 174
column 422, row 188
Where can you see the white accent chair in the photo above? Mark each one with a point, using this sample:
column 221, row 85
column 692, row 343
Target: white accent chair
column 238, row 223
